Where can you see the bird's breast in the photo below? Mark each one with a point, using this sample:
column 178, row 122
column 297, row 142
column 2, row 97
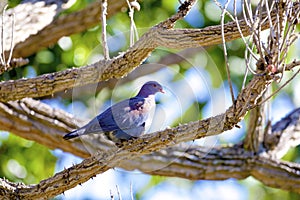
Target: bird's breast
column 139, row 111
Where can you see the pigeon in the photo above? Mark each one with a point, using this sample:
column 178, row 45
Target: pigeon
column 125, row 120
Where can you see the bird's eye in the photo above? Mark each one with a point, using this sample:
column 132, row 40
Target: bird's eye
column 154, row 85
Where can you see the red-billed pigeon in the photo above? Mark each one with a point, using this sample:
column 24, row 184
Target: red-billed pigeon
column 126, row 119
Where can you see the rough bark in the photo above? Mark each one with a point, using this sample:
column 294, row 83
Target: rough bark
column 41, row 14
column 254, row 136
column 213, row 164
column 283, row 135
column 120, row 66
column 43, row 29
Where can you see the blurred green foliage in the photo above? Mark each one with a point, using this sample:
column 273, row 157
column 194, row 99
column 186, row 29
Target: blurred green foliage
column 13, row 3
column 25, row 161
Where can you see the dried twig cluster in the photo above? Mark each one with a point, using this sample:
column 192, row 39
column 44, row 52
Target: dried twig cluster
column 6, row 60
column 266, row 52
column 268, row 49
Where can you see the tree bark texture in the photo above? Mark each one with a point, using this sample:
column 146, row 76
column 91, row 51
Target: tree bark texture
column 123, row 64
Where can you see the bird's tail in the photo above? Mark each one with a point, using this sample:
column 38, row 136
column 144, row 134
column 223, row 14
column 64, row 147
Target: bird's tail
column 71, row 135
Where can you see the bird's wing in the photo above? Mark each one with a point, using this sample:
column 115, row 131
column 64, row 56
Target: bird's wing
column 125, row 115
column 129, row 133
column 92, row 127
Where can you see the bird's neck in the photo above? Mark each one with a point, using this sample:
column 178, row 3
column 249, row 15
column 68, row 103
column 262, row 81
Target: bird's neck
column 144, row 94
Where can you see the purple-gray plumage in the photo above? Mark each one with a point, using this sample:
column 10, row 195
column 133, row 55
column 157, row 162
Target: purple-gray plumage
column 125, row 119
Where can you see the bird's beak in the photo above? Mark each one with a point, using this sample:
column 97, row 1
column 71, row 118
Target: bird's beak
column 162, row 91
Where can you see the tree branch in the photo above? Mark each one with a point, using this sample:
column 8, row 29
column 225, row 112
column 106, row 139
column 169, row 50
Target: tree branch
column 172, row 58
column 103, row 70
column 121, row 65
column 254, row 136
column 39, row 122
column 194, row 162
column 40, row 34
column 284, row 135
column 275, row 173
column 29, row 126
column 202, row 165
column 14, row 63
column 42, row 14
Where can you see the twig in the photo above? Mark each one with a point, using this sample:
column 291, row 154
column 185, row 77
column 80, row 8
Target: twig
column 292, row 65
column 6, row 63
column 269, row 14
column 288, row 37
column 104, row 36
column 248, row 60
column 225, row 51
column 12, row 39
column 249, row 11
column 111, row 195
column 131, row 191
column 256, row 25
column 242, row 35
column 14, row 63
column 119, row 193
column 277, row 40
column 133, row 30
column 245, row 76
column 274, row 93
column 2, row 57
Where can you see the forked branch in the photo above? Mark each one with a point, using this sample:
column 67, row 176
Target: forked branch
column 121, row 65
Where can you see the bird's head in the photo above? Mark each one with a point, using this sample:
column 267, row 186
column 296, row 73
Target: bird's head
column 150, row 88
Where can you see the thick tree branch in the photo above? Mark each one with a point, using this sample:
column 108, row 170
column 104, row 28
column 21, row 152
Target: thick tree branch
column 123, row 64
column 254, row 136
column 284, row 135
column 41, row 14
column 170, row 59
column 63, row 26
column 41, row 29
column 203, row 163
column 36, row 121
column 195, row 162
column 271, row 172
column 28, row 125
column 276, row 173
column 119, row 66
